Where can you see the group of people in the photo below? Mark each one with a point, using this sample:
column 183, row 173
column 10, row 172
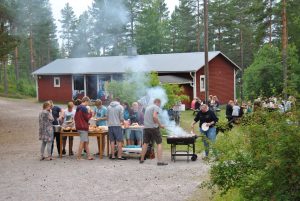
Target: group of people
column 113, row 116
column 52, row 116
column 275, row 103
column 213, row 104
column 234, row 111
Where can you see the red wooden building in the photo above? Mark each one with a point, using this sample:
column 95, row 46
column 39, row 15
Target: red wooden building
column 63, row 78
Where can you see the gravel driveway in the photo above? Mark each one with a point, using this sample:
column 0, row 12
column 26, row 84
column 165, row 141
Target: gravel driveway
column 24, row 177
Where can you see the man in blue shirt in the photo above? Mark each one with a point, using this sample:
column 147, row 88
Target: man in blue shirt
column 100, row 115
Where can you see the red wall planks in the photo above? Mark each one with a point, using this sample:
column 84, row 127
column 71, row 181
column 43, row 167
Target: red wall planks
column 47, row 91
column 221, row 79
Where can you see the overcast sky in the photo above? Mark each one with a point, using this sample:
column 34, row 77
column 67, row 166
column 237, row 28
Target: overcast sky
column 79, row 6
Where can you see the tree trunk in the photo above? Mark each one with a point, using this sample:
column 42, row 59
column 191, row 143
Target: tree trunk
column 219, row 29
column 284, row 48
column 270, row 21
column 198, row 25
column 206, row 73
column 242, row 61
column 31, row 52
column 48, row 53
column 5, row 78
column 0, row 71
column 132, row 27
column 17, row 68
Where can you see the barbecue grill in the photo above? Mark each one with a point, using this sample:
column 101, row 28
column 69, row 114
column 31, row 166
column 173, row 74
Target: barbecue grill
column 188, row 140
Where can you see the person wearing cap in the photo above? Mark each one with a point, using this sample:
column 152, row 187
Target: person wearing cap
column 82, row 117
column 208, row 120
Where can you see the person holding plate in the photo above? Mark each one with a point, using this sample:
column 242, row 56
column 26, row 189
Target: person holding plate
column 208, row 120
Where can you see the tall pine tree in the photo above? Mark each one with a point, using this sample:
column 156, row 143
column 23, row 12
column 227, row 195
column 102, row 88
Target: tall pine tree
column 183, row 28
column 68, row 22
column 152, row 28
column 81, row 38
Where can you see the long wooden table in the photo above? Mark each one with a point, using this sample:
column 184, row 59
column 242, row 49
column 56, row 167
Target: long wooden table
column 91, row 134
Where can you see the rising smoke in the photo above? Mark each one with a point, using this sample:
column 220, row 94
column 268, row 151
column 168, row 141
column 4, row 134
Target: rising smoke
column 117, row 13
column 139, row 74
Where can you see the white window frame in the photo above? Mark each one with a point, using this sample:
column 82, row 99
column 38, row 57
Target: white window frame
column 202, row 84
column 56, row 79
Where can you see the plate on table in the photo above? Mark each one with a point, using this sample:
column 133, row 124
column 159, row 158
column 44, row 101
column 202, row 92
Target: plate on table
column 137, row 126
column 205, row 127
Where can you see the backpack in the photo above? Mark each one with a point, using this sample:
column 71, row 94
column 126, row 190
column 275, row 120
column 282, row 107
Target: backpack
column 150, row 154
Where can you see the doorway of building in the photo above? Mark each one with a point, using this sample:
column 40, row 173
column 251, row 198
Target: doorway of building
column 91, row 86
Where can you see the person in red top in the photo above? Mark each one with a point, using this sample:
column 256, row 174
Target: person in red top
column 82, row 117
column 193, row 103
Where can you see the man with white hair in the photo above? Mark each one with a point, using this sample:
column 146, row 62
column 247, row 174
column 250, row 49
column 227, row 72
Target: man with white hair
column 207, row 119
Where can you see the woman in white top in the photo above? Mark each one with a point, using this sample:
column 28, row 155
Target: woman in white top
column 69, row 123
column 235, row 111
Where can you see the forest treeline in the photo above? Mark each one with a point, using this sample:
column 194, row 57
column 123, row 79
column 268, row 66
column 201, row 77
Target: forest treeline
column 29, row 36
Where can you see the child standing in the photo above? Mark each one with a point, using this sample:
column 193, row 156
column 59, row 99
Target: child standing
column 82, row 117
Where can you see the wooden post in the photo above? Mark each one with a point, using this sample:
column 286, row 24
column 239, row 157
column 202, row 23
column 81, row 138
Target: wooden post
column 60, row 144
column 100, row 146
column 17, row 69
column 242, row 62
column 5, row 77
column 198, row 25
column 206, row 50
column 284, row 48
column 31, row 52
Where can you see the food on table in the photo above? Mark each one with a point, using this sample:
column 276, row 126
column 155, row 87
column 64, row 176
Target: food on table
column 92, row 128
column 103, row 128
column 136, row 125
column 67, row 128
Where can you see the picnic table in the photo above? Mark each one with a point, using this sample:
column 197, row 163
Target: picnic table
column 97, row 134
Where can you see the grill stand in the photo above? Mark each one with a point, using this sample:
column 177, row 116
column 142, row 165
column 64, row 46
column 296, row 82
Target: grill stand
column 175, row 153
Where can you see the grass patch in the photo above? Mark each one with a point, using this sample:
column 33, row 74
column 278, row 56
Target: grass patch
column 231, row 195
column 20, row 89
column 186, row 118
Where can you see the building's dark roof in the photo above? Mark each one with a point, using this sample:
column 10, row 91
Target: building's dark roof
column 172, row 79
column 176, row 62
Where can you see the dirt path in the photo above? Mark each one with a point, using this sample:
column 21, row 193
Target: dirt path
column 24, row 177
